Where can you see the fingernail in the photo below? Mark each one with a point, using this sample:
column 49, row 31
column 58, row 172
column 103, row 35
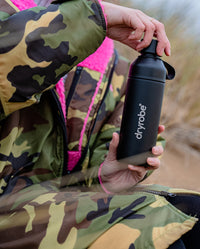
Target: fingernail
column 155, row 149
column 151, row 160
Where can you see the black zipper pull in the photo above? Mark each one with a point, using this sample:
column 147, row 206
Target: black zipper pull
column 75, row 81
column 167, row 194
column 161, row 193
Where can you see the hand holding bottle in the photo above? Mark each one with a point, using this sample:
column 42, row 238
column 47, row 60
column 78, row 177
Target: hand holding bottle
column 116, row 176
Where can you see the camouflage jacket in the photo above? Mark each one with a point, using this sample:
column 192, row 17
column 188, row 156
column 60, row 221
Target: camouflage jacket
column 36, row 50
column 38, row 145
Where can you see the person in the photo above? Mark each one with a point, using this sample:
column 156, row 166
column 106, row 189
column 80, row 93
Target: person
column 58, row 140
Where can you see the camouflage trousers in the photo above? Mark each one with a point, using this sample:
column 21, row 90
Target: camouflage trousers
column 43, row 217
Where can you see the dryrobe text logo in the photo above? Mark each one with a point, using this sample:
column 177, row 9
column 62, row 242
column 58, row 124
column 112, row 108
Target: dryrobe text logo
column 141, row 120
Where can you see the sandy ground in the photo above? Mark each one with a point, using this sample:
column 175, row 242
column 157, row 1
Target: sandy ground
column 179, row 169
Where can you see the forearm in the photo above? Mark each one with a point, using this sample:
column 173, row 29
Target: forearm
column 40, row 45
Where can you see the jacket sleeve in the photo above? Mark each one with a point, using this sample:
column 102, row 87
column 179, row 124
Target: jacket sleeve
column 40, row 45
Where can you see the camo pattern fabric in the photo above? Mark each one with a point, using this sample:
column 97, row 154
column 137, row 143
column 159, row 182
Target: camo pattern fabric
column 56, row 218
column 38, row 207
column 41, row 37
column 33, row 141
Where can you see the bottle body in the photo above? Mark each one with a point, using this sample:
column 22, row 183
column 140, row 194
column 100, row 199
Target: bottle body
column 140, row 120
column 142, row 107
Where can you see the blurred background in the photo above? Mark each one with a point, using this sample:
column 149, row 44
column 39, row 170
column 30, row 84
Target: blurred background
column 180, row 165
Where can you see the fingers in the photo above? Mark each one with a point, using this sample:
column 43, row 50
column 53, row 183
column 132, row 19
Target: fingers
column 148, row 32
column 112, row 154
column 138, row 171
column 147, row 27
column 138, row 26
column 163, row 42
column 154, row 28
column 154, row 162
column 157, row 150
column 161, row 129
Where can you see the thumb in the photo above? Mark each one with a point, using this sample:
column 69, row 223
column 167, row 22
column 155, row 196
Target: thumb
column 112, row 153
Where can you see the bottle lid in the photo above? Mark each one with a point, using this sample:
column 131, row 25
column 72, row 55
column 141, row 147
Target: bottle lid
column 151, row 49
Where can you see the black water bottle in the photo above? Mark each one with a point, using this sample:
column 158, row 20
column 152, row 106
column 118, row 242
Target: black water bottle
column 142, row 107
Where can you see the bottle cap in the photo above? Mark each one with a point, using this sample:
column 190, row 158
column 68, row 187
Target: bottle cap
column 151, row 49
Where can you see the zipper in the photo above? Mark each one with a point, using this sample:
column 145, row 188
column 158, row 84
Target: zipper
column 56, row 106
column 75, row 80
column 160, row 193
column 166, row 193
column 60, row 119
